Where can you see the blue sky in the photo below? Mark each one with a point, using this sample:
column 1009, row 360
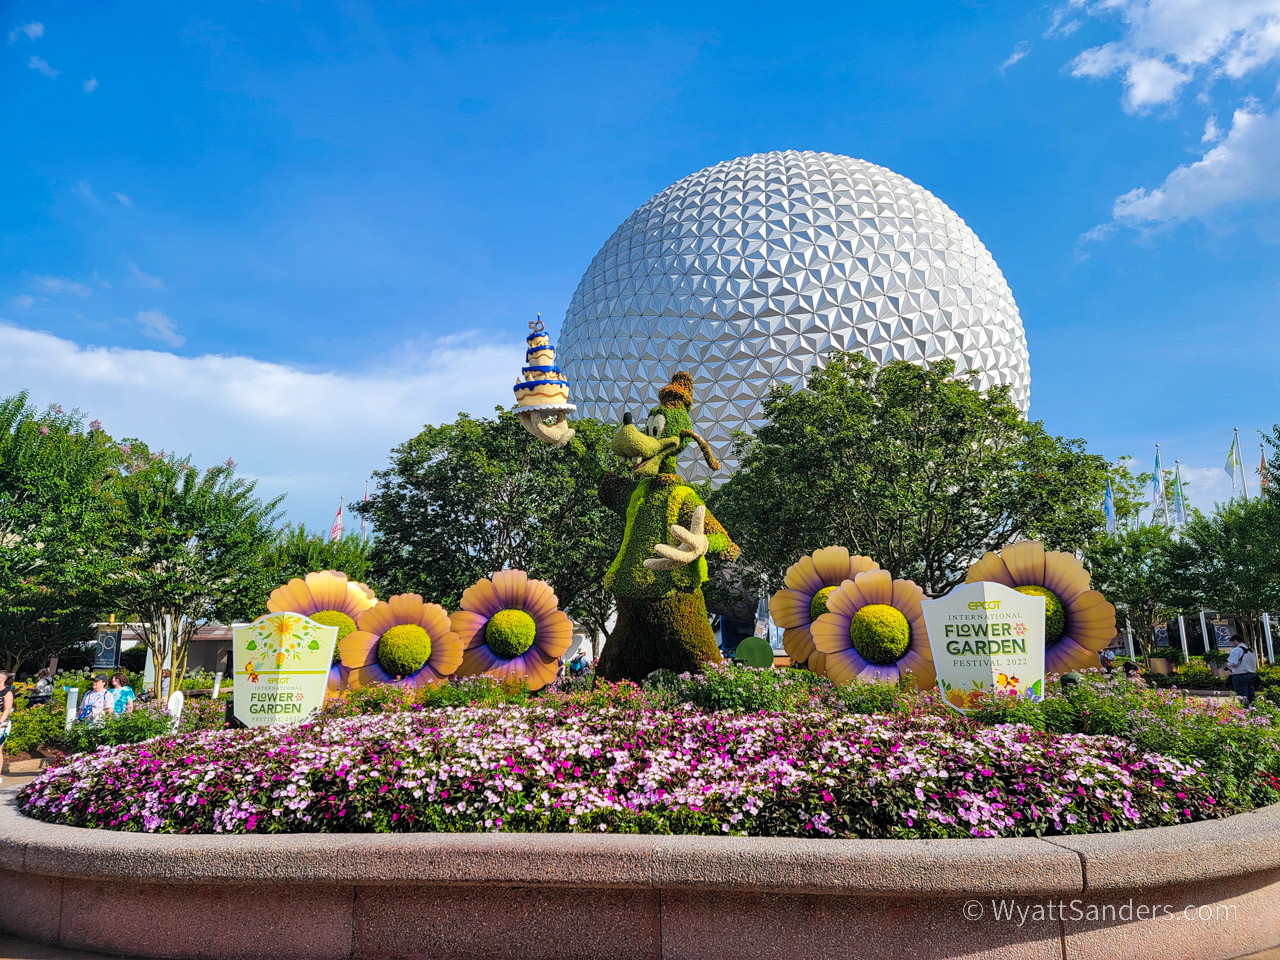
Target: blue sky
column 293, row 233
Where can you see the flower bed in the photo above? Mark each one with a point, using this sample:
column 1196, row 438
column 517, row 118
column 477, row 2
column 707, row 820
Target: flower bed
column 549, row 769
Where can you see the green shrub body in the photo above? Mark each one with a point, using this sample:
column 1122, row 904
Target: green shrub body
column 818, row 605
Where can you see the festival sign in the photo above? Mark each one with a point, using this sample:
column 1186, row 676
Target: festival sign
column 986, row 638
column 281, row 667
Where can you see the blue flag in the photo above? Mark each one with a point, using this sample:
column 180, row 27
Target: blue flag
column 1179, row 503
column 1158, row 499
column 1109, row 508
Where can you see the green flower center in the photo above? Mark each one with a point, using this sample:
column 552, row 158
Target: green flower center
column 1055, row 616
column 818, row 605
column 336, row 618
column 880, row 633
column 404, row 649
column 510, row 633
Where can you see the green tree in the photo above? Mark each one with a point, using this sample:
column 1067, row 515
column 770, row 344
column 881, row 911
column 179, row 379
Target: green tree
column 298, row 551
column 195, row 545
column 916, row 468
column 55, row 511
column 1133, row 568
column 1229, row 561
column 465, row 499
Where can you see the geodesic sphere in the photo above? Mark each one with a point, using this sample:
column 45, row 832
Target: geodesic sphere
column 747, row 273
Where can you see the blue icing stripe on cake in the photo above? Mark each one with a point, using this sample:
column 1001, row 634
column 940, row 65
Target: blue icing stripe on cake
column 530, row 384
column 541, row 369
column 532, row 350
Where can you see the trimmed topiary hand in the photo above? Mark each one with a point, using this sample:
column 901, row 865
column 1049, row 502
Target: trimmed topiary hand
column 693, row 544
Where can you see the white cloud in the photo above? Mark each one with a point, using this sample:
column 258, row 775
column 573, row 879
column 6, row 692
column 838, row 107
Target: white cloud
column 1240, row 168
column 1212, row 132
column 23, row 301
column 90, row 85
column 1019, row 51
column 42, row 67
column 56, row 285
column 1061, row 24
column 159, row 326
column 145, row 279
column 84, row 190
column 32, row 31
column 314, row 435
column 1164, row 44
column 123, row 199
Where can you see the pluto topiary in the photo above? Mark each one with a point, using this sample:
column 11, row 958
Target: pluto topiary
column 403, row 649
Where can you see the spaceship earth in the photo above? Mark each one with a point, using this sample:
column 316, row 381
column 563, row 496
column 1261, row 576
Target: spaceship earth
column 749, row 272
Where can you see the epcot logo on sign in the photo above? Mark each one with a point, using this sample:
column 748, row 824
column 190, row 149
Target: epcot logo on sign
column 986, row 638
column 281, row 668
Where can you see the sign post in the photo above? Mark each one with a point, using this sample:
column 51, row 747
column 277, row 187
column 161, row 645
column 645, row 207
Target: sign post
column 281, row 668
column 986, row 638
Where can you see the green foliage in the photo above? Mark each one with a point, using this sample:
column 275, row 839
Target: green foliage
column 1133, row 569
column 142, row 723
column 914, row 467
column 463, row 499
column 754, row 652
column 35, row 727
column 195, row 544
column 818, row 605
column 403, row 649
column 298, row 551
column 56, row 550
column 1055, row 617
column 667, row 633
column 510, row 633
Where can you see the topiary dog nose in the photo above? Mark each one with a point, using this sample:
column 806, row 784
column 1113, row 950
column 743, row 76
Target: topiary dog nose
column 627, row 418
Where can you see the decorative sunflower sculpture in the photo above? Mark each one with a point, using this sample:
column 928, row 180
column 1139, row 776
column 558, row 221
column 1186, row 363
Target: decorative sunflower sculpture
column 808, row 584
column 512, row 628
column 873, row 629
column 1078, row 622
column 328, row 597
column 401, row 641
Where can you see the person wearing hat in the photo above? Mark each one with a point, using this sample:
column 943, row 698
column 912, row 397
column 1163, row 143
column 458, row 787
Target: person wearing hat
column 98, row 702
column 1242, row 664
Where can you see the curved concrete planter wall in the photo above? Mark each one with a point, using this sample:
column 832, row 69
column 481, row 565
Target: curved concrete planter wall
column 487, row 897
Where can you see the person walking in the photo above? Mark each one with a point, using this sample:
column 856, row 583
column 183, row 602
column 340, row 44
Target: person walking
column 6, row 710
column 1242, row 664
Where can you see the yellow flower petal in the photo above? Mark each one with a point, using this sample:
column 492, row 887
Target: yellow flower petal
column 798, row 642
column 446, row 653
column 481, row 598
column 358, row 649
column 842, row 667
column 922, row 670
column 876, row 586
column 790, row 608
column 818, row 663
column 831, row 633
column 846, row 599
column 1068, row 655
column 468, row 626
column 406, row 607
column 477, row 659
column 859, row 564
column 540, row 600
column 1065, row 576
column 803, row 576
column 831, row 565
column 990, row 568
column 907, row 596
column 434, row 619
column 328, row 588
column 1025, row 561
column 511, row 587
column 377, row 620
column 555, row 633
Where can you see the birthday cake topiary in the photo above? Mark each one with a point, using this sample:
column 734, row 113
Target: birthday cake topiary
column 541, row 386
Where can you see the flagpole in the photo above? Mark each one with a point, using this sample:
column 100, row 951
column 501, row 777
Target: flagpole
column 1179, row 504
column 364, row 520
column 1164, row 499
column 1244, row 480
